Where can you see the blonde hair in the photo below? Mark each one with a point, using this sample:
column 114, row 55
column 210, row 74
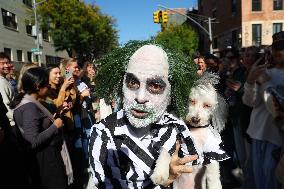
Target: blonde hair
column 24, row 68
column 65, row 63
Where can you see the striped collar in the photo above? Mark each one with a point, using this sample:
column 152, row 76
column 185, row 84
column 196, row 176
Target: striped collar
column 145, row 154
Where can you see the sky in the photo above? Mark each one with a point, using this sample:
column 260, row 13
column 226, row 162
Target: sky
column 134, row 18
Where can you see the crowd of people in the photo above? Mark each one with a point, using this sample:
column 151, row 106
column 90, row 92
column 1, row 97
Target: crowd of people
column 49, row 119
column 45, row 124
column 246, row 76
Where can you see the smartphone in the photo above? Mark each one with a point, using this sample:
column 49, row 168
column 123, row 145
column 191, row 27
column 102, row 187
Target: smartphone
column 68, row 74
column 278, row 98
column 260, row 57
column 57, row 114
column 60, row 112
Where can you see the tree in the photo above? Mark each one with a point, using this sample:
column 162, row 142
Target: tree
column 80, row 29
column 181, row 38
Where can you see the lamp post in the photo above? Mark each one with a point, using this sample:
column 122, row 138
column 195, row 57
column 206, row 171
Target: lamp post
column 37, row 30
column 208, row 32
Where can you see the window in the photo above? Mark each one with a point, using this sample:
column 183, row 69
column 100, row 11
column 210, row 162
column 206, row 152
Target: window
column 277, row 4
column 20, row 55
column 234, row 7
column 235, row 38
column 52, row 60
column 36, row 57
column 256, row 34
column 9, row 19
column 277, row 27
column 29, row 29
column 29, row 56
column 45, row 35
column 28, row 3
column 8, row 52
column 256, row 5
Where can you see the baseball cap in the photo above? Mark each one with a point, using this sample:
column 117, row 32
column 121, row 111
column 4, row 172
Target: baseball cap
column 278, row 40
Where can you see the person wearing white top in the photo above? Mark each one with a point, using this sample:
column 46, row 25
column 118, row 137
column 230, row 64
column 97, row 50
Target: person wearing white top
column 6, row 88
column 266, row 137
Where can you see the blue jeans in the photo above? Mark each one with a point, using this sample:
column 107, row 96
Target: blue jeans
column 261, row 166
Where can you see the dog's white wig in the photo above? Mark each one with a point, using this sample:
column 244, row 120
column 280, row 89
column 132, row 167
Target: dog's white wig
column 220, row 113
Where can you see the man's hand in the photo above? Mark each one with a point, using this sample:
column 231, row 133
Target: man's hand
column 177, row 165
column 257, row 73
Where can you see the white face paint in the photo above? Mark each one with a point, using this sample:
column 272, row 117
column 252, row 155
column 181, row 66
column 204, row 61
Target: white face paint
column 146, row 88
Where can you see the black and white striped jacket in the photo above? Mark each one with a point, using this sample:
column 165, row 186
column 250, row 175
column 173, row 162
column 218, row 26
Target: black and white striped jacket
column 119, row 160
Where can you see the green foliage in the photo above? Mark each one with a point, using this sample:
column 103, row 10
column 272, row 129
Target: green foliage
column 181, row 38
column 77, row 27
column 109, row 80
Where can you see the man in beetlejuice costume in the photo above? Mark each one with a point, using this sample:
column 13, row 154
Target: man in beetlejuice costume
column 152, row 82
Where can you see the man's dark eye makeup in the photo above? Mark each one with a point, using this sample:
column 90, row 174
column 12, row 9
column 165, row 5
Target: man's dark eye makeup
column 153, row 82
column 156, row 82
column 131, row 79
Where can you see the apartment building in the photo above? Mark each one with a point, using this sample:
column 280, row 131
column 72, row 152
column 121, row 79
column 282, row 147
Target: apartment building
column 260, row 20
column 17, row 38
column 243, row 23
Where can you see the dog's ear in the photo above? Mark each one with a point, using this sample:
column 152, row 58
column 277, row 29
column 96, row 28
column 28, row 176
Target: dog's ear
column 220, row 113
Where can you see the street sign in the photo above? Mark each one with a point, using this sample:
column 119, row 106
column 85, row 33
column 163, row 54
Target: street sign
column 35, row 50
column 38, row 53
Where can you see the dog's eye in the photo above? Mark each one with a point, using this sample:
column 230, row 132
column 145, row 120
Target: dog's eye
column 192, row 101
column 207, row 106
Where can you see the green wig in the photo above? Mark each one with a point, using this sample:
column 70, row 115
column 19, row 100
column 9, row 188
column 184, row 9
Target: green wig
column 109, row 80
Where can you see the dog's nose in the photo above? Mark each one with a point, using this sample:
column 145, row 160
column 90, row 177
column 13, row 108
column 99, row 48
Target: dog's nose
column 195, row 120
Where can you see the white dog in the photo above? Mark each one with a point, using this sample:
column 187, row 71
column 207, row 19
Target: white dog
column 207, row 112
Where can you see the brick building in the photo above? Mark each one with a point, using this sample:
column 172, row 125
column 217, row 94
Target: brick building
column 242, row 23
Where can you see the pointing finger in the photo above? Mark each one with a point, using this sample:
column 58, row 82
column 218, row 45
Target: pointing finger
column 186, row 169
column 187, row 159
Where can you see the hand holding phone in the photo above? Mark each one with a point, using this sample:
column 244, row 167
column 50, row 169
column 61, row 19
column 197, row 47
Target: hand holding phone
column 60, row 111
column 68, row 74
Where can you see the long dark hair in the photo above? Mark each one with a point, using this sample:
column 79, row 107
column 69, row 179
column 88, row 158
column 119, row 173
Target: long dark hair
column 32, row 80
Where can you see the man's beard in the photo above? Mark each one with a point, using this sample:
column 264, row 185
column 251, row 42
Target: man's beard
column 154, row 113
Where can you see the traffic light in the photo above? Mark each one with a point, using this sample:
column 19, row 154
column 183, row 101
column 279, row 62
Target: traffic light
column 164, row 16
column 157, row 16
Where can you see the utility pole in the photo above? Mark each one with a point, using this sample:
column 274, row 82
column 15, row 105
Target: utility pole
column 37, row 34
column 210, row 35
column 37, row 31
column 208, row 32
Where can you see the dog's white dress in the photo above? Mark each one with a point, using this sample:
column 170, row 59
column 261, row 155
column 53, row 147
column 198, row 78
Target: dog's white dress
column 209, row 153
